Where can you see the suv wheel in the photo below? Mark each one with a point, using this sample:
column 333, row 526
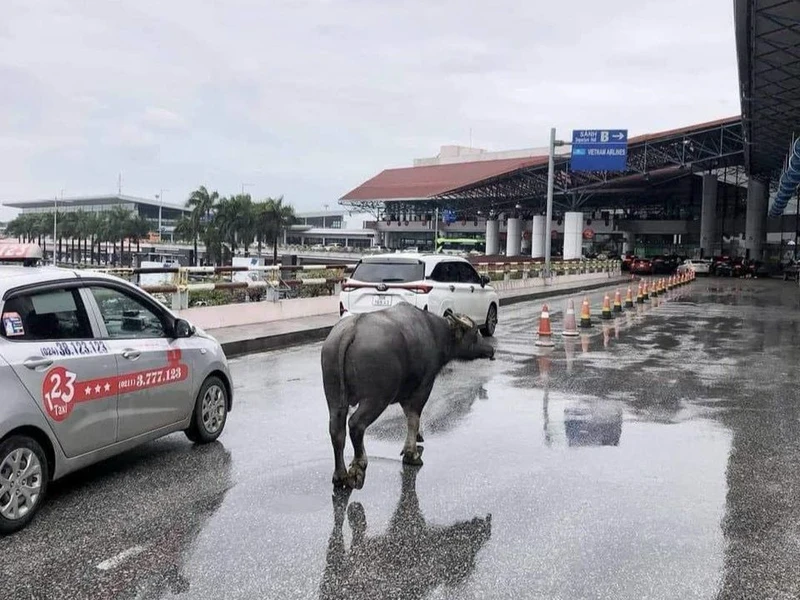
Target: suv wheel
column 24, row 475
column 491, row 322
column 210, row 412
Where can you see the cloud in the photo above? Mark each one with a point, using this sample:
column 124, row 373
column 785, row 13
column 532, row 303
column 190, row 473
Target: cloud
column 308, row 98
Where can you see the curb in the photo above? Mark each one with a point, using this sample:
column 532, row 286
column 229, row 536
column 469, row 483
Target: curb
column 564, row 292
column 281, row 341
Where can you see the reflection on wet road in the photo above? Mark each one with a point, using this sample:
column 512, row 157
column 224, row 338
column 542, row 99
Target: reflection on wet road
column 654, row 457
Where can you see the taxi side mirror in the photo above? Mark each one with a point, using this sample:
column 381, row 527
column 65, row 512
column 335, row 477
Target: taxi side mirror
column 484, row 280
column 183, row 329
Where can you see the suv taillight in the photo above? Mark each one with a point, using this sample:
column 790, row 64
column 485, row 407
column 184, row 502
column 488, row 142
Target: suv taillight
column 417, row 288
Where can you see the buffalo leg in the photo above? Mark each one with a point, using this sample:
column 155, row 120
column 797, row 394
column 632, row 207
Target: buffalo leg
column 365, row 415
column 411, row 454
column 412, row 408
column 338, row 431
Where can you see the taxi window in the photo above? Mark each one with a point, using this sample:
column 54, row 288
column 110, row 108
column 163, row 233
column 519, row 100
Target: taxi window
column 126, row 316
column 50, row 315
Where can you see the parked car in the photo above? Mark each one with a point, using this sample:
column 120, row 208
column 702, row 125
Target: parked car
column 665, row 265
column 642, row 266
column 433, row 282
column 627, row 261
column 791, row 271
column 698, row 265
column 91, row 366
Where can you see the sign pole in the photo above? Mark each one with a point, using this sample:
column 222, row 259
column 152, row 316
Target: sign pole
column 549, row 218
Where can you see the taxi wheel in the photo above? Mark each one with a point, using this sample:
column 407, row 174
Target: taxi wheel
column 23, row 481
column 210, row 412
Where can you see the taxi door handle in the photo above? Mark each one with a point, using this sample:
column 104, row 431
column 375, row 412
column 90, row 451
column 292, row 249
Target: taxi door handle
column 38, row 363
column 131, row 354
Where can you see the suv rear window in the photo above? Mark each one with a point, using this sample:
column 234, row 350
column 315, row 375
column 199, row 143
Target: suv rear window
column 389, row 272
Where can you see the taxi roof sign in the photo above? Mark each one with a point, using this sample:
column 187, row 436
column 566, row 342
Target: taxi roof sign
column 13, row 252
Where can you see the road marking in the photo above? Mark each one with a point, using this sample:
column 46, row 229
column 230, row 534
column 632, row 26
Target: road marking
column 120, row 558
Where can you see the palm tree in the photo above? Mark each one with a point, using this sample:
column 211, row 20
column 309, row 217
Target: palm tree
column 139, row 229
column 202, row 203
column 279, row 217
column 185, row 230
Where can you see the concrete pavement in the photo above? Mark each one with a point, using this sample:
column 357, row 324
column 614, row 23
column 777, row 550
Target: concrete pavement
column 655, row 457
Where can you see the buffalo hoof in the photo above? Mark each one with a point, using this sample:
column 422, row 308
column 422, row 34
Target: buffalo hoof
column 413, row 459
column 339, row 480
column 355, row 477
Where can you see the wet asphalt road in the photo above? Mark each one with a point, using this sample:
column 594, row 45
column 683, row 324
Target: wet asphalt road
column 656, row 457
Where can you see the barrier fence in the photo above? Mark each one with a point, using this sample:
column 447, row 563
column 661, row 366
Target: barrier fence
column 187, row 285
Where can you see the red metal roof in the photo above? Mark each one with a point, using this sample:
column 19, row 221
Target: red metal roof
column 425, row 182
column 415, row 183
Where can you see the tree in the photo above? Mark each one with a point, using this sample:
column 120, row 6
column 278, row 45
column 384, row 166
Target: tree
column 202, row 203
column 279, row 217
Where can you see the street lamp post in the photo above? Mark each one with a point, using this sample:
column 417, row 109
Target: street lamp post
column 160, row 197
column 55, row 224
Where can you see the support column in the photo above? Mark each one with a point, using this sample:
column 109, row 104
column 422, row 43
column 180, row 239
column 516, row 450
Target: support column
column 513, row 236
column 573, row 235
column 708, row 215
column 492, row 236
column 755, row 221
column 628, row 242
column 538, row 233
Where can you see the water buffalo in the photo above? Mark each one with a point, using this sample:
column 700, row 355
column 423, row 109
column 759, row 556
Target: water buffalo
column 372, row 360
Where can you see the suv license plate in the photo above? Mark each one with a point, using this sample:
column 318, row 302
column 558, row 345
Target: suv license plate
column 381, row 301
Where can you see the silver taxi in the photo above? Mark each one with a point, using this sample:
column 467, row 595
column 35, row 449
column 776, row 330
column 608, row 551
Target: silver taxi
column 91, row 366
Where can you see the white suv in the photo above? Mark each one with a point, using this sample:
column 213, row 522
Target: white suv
column 433, row 282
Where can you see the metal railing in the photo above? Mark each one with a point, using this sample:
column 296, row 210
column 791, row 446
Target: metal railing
column 279, row 282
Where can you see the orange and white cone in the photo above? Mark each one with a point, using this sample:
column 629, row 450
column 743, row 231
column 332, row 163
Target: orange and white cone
column 640, row 294
column 586, row 314
column 629, row 298
column 570, row 327
column 545, row 333
column 606, row 314
column 617, row 302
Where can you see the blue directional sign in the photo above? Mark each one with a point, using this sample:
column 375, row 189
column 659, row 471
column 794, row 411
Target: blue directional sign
column 599, row 150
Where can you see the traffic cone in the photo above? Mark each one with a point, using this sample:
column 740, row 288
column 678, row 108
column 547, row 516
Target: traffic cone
column 640, row 294
column 570, row 328
column 645, row 291
column 586, row 314
column 545, row 333
column 606, row 308
column 629, row 298
column 617, row 302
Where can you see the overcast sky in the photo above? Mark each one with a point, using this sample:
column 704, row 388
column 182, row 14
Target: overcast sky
column 308, row 98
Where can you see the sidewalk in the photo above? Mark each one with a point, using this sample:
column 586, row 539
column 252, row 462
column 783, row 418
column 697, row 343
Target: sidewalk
column 248, row 339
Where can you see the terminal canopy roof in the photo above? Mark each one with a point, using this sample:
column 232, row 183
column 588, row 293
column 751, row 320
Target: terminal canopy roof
column 768, row 50
column 653, row 160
